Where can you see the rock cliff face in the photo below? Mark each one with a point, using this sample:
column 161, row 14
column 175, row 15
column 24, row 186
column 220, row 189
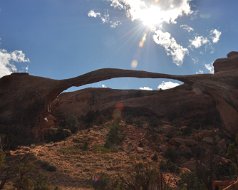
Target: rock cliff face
column 206, row 99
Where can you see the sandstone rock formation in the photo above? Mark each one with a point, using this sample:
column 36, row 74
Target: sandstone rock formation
column 26, row 100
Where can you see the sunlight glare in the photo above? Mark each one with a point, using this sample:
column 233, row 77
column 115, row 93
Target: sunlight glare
column 151, row 17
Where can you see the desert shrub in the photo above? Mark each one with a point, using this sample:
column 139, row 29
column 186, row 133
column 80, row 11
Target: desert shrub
column 102, row 149
column 171, row 154
column 138, row 122
column 168, row 166
column 46, row 166
column 84, row 146
column 198, row 151
column 92, row 117
column 70, row 122
column 82, row 143
column 143, row 177
column 185, row 131
column 41, row 183
column 139, row 117
column 114, row 136
column 23, row 174
column 56, row 134
column 227, row 170
column 101, row 182
column 75, row 149
column 154, row 157
column 24, row 179
column 190, row 181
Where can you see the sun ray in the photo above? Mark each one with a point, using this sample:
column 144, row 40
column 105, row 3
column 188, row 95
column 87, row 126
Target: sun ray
column 143, row 40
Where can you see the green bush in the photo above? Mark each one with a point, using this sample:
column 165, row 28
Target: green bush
column 23, row 174
column 94, row 118
column 41, row 183
column 46, row 166
column 186, row 131
column 85, row 146
column 154, row 157
column 171, row 154
column 114, row 136
column 102, row 149
column 24, row 179
column 227, row 170
column 168, row 166
column 101, row 182
column 56, row 134
column 191, row 181
column 143, row 177
column 70, row 122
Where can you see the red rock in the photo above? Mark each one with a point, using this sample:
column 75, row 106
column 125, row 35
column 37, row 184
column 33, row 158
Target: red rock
column 26, row 100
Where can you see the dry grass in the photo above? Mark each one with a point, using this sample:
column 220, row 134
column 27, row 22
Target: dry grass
column 76, row 165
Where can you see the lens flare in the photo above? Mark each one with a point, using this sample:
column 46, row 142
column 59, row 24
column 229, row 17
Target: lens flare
column 143, row 40
column 134, row 64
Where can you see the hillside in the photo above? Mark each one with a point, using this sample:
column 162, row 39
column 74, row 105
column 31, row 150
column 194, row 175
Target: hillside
column 187, row 135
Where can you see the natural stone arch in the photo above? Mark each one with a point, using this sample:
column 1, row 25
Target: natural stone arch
column 25, row 98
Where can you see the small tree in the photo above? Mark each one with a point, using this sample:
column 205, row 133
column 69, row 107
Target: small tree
column 114, row 136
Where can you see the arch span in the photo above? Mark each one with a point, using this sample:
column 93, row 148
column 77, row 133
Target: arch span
column 26, row 98
column 109, row 73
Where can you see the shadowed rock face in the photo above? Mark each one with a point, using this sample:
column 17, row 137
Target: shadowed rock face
column 26, row 99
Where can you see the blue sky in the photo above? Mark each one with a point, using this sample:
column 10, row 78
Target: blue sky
column 62, row 38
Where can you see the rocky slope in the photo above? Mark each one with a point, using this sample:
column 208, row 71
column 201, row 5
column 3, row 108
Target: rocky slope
column 174, row 150
column 74, row 164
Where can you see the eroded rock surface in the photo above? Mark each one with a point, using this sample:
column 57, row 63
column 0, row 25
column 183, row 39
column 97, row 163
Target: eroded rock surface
column 210, row 99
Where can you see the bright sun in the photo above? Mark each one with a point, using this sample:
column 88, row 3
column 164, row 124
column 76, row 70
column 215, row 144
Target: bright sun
column 150, row 17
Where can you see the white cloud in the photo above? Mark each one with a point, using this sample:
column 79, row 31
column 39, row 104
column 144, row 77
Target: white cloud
column 167, row 85
column 104, row 86
column 169, row 11
column 145, row 88
column 172, row 48
column 187, row 28
column 200, row 71
column 114, row 24
column 198, row 41
column 215, row 35
column 105, row 18
column 195, row 60
column 7, row 60
column 94, row 14
column 210, row 68
column 117, row 4
column 154, row 14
